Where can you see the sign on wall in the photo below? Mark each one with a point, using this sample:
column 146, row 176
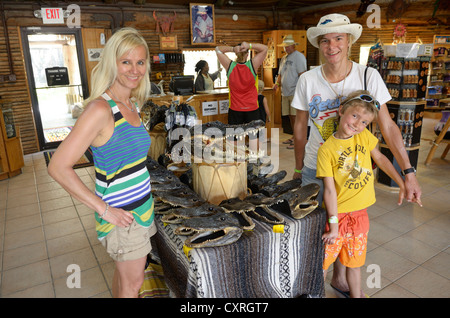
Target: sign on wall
column 210, row 108
column 223, row 106
column 52, row 15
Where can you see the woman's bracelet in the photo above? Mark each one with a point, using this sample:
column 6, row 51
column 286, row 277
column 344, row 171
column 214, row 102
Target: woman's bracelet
column 298, row 170
column 106, row 211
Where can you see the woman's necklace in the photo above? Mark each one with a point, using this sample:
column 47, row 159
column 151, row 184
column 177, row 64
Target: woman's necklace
column 131, row 109
column 329, row 84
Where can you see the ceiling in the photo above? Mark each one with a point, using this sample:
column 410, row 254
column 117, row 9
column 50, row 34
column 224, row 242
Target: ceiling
column 218, row 4
column 248, row 4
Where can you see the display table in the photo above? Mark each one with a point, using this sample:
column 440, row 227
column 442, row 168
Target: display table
column 261, row 264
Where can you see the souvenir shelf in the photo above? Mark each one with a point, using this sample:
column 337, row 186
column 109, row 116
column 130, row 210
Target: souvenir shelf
column 11, row 154
column 439, row 78
column 409, row 117
column 406, row 78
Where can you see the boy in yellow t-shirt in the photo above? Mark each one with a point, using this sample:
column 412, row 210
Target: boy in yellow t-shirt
column 344, row 163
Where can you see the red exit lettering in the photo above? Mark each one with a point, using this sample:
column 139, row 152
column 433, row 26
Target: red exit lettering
column 52, row 13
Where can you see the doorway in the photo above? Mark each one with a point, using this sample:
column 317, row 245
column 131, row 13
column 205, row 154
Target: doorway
column 55, row 67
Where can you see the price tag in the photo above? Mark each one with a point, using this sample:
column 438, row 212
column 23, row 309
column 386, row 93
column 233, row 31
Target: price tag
column 278, row 228
column 186, row 250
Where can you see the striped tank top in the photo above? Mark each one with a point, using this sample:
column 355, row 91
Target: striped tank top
column 122, row 178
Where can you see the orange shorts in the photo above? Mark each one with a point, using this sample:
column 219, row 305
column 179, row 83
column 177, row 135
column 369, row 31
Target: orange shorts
column 351, row 243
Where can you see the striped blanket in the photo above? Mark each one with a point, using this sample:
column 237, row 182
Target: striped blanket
column 260, row 264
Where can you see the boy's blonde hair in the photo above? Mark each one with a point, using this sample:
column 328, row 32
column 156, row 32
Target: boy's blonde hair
column 350, row 101
column 105, row 72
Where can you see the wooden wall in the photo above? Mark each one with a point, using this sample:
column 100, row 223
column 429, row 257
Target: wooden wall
column 417, row 17
column 248, row 27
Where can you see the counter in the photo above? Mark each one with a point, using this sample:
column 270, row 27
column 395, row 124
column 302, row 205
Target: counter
column 213, row 105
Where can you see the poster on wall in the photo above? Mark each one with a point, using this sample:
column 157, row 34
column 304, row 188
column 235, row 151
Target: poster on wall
column 202, row 24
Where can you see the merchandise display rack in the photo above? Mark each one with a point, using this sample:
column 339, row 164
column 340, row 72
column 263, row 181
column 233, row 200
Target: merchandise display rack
column 439, row 77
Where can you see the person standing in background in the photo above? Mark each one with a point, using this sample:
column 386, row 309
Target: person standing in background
column 204, row 81
column 242, row 80
column 292, row 65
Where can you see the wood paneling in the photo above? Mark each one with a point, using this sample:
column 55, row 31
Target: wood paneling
column 249, row 27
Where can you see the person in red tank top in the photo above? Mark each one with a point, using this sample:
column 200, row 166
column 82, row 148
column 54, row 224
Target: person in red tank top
column 242, row 80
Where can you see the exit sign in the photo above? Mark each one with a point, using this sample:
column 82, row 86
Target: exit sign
column 52, row 15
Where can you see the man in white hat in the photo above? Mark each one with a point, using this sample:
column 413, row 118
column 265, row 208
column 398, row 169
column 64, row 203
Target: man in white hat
column 292, row 65
column 317, row 98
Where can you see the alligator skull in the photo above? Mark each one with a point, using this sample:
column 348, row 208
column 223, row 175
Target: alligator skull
column 208, row 231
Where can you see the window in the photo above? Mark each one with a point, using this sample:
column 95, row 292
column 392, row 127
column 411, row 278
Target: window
column 192, row 57
column 364, row 53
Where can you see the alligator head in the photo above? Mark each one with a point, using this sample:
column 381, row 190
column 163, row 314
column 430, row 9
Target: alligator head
column 261, row 211
column 186, row 198
column 299, row 202
column 256, row 183
column 161, row 175
column 275, row 190
column 239, row 209
column 153, row 114
column 177, row 215
column 209, row 231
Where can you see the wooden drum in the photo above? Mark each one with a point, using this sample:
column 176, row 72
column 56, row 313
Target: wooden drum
column 216, row 182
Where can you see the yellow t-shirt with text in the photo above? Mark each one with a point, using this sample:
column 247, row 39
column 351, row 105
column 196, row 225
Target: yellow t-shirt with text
column 348, row 161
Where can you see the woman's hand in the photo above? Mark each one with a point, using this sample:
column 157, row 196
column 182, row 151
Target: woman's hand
column 118, row 217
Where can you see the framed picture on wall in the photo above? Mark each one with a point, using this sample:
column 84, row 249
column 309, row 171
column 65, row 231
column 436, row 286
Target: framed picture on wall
column 202, row 24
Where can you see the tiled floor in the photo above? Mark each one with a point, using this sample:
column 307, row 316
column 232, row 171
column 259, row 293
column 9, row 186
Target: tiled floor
column 43, row 230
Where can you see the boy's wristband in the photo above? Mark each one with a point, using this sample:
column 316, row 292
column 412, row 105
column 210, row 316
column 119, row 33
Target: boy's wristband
column 333, row 219
column 298, row 170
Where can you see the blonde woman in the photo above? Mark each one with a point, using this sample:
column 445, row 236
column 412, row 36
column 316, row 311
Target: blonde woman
column 110, row 124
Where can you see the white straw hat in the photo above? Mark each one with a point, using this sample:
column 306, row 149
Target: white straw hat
column 333, row 23
column 288, row 40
